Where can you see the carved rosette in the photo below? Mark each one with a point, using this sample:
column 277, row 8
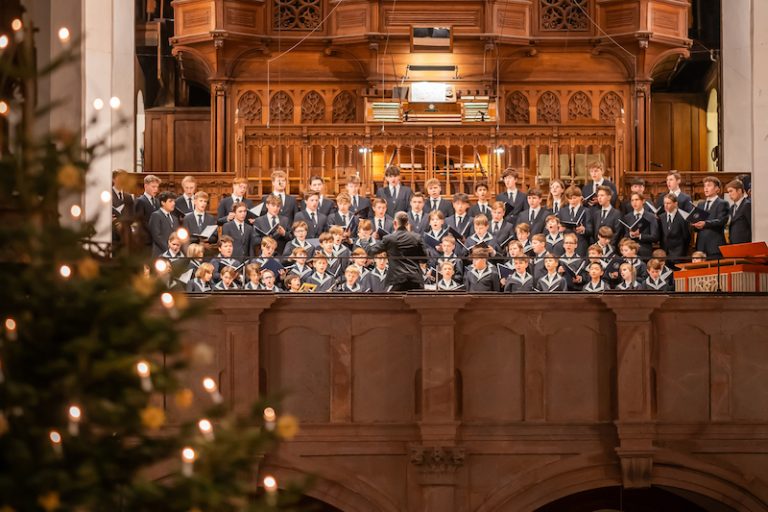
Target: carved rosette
column 312, row 108
column 517, row 108
column 344, row 108
column 548, row 108
column 297, row 14
column 579, row 106
column 610, row 107
column 564, row 15
column 281, row 108
column 249, row 107
column 437, row 459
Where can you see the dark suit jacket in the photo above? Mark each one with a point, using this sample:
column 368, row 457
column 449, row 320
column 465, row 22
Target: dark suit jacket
column 675, row 238
column 648, row 235
column 740, row 230
column 143, row 210
column 289, row 208
column 362, row 203
column 225, row 206
column 128, row 203
column 335, row 220
column 182, row 206
column 389, row 224
column 586, row 220
column 475, row 210
column 422, row 226
column 712, row 235
column 327, row 207
column 589, row 188
column 399, row 204
column 611, row 220
column 313, row 229
column 160, row 229
column 243, row 245
column 191, row 225
column 261, row 226
column 506, row 230
column 518, row 205
column 539, row 222
column 683, row 202
column 466, row 227
column 443, row 205
column 405, row 251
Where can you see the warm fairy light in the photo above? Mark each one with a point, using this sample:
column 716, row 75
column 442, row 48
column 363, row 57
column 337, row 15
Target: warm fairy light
column 75, row 211
column 167, row 300
column 183, row 234
column 55, row 438
column 206, row 428
column 114, row 102
column 98, row 104
column 75, row 415
column 4, row 108
column 64, row 34
column 10, row 324
column 105, row 196
column 65, row 271
column 270, row 484
column 3, row 42
column 188, row 456
column 16, row 25
column 161, row 265
column 142, row 368
column 269, row 418
column 210, row 386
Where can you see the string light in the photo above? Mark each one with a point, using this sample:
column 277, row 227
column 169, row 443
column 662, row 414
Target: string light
column 55, row 438
column 98, row 104
column 188, row 457
column 105, row 196
column 206, row 429
column 63, row 34
column 16, row 25
column 269, row 418
column 75, row 211
column 10, row 329
column 142, row 368
column 75, row 415
column 65, row 271
column 183, row 234
column 161, row 265
column 114, row 102
column 4, row 42
column 270, row 486
column 4, row 108
column 167, row 300
column 210, row 386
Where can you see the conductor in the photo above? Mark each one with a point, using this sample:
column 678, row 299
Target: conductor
column 405, row 250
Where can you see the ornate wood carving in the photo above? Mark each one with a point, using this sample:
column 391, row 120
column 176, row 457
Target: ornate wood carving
column 548, row 108
column 579, row 107
column 281, row 108
column 564, row 15
column 610, row 107
column 249, row 107
column 312, row 108
column 297, row 14
column 344, row 108
column 517, row 108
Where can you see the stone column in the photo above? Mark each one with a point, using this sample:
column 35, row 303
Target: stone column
column 635, row 423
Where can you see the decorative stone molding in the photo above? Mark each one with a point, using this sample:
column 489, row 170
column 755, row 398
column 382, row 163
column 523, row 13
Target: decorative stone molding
column 437, row 459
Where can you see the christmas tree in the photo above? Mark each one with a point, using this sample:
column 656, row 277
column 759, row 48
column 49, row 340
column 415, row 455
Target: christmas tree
column 90, row 354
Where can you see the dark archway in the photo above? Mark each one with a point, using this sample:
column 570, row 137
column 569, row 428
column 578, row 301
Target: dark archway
column 653, row 499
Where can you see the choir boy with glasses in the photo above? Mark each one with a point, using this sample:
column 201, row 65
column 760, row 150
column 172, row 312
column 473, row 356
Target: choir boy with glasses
column 299, row 240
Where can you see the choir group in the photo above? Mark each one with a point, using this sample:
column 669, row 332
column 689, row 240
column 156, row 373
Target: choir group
column 572, row 239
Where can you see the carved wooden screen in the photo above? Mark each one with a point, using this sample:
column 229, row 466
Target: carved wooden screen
column 313, row 108
column 344, row 108
column 517, row 109
column 563, row 15
column 297, row 14
column 281, row 108
column 579, row 107
column 548, row 109
column 610, row 107
column 249, row 107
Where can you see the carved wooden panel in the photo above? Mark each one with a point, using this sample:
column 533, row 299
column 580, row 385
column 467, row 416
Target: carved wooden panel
column 610, row 107
column 297, row 14
column 196, row 18
column 249, row 107
column 456, row 17
column 512, row 19
column 312, row 108
column 548, row 108
column 579, row 107
column 344, row 108
column 517, row 108
column 564, row 15
column 281, row 108
column 241, row 17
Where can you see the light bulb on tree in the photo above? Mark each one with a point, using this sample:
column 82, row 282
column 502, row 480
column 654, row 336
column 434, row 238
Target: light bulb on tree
column 98, row 104
column 64, row 34
column 188, row 457
column 4, row 42
column 4, row 108
column 10, row 329
column 270, row 416
column 75, row 211
column 206, row 428
column 55, row 438
column 270, row 486
column 16, row 24
column 114, row 102
column 105, row 196
column 210, row 386
column 183, row 234
column 161, row 265
column 143, row 369
column 65, row 271
column 75, row 416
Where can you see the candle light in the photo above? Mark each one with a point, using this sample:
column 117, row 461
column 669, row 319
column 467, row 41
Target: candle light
column 170, row 304
column 269, row 418
column 210, row 386
column 188, row 456
column 142, row 368
column 4, row 108
column 206, row 429
column 161, row 265
column 270, row 486
column 55, row 438
column 75, row 415
column 10, row 329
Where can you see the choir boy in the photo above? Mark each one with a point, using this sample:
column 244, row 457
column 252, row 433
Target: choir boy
column 339, row 250
column 481, row 235
column 396, row 196
column 572, row 265
column 201, row 283
column 535, row 215
column 292, row 283
column 228, row 280
column 324, row 205
column 576, row 218
column 520, row 280
column 552, row 281
column 144, row 206
column 636, row 185
column 163, row 222
column 359, row 205
column 435, row 233
column 448, row 255
column 482, row 207
column 523, row 235
column 501, row 229
column 299, row 240
column 511, row 195
column 554, row 237
column 539, row 248
column 267, row 258
column 711, row 232
column 596, row 173
column 435, row 201
column 225, row 212
column 739, row 214
column 673, row 186
column 603, row 213
column 447, row 283
column 675, row 232
column 629, row 251
column 269, row 281
column 595, row 283
column 481, row 277
column 299, row 257
column 628, row 278
column 344, row 217
column 417, row 217
column 605, row 240
column 460, row 221
column 364, row 234
column 185, row 202
column 272, row 224
column 351, row 281
column 383, row 223
column 640, row 226
column 253, row 274
column 198, row 219
column 315, row 220
column 323, row 280
column 654, row 282
column 240, row 232
column 667, row 273
column 378, row 276
column 224, row 258
column 288, row 206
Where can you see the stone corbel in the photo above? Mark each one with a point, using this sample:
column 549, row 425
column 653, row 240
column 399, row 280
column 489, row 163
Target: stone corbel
column 636, row 468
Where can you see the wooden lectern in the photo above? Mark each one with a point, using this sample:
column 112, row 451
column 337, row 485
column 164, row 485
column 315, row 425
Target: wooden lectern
column 744, row 268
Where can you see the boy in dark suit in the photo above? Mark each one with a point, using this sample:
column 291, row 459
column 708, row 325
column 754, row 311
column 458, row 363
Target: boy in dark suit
column 673, row 185
column 225, row 213
column 711, row 232
column 482, row 207
column 576, row 218
column 240, row 232
column 144, row 206
column 199, row 219
column 417, row 218
column 344, row 217
column 185, row 203
column 289, row 207
column 397, row 196
column 636, row 185
column 162, row 223
column 272, row 224
column 604, row 214
column 435, row 200
column 596, row 172
column 461, row 221
column 535, row 215
column 481, row 276
column 675, row 232
column 512, row 195
column 647, row 233
column 358, row 203
column 316, row 221
column 381, row 220
column 324, row 205
column 501, row 230
column 740, row 214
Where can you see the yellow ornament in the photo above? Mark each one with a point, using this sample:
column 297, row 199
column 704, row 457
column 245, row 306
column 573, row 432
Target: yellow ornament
column 152, row 417
column 49, row 501
column 70, row 176
column 87, row 268
column 287, row 427
column 184, row 398
column 3, row 424
column 144, row 286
